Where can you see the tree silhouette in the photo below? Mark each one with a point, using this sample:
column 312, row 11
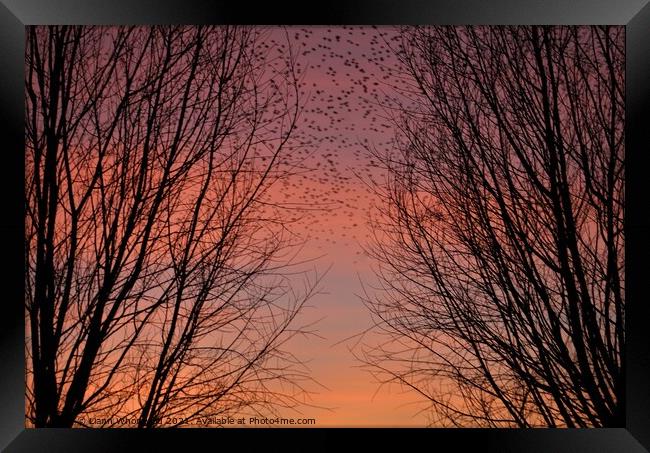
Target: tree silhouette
column 500, row 236
column 155, row 283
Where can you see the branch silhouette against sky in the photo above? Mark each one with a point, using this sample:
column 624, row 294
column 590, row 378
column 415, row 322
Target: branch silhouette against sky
column 156, row 283
column 500, row 236
column 372, row 226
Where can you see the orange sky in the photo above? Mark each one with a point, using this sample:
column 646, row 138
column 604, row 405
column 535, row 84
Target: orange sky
column 346, row 69
column 347, row 79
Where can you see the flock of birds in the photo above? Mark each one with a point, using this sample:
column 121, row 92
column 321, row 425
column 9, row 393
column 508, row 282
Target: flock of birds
column 347, row 83
column 346, row 76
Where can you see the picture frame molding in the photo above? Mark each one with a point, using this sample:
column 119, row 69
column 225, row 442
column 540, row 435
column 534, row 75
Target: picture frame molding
column 15, row 15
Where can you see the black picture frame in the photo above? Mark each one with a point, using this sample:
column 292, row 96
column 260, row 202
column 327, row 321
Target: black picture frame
column 634, row 14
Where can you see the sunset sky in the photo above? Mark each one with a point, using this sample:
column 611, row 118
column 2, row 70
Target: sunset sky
column 347, row 70
column 359, row 226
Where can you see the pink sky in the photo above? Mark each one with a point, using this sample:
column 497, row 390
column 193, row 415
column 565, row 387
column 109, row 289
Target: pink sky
column 346, row 70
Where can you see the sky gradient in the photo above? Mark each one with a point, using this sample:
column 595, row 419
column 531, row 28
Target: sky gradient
column 346, row 72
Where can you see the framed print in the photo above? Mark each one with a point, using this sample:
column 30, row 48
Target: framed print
column 355, row 224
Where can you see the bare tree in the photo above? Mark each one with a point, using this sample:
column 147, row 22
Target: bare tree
column 500, row 238
column 155, row 284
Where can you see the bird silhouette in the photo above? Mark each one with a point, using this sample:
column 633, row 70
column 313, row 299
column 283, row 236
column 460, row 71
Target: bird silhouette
column 346, row 78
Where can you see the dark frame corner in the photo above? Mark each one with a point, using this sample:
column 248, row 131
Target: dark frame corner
column 635, row 14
